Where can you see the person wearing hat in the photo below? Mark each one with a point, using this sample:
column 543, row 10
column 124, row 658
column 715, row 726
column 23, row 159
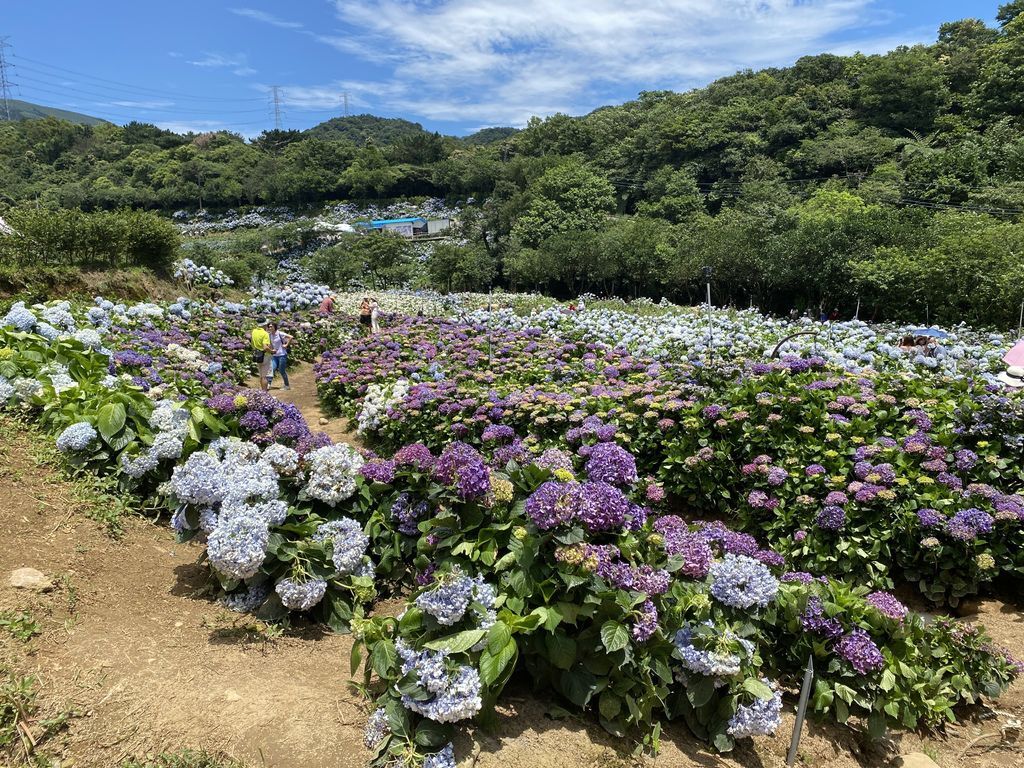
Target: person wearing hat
column 262, row 352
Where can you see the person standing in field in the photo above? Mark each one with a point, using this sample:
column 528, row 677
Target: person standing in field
column 365, row 313
column 279, row 344
column 262, row 351
column 374, row 316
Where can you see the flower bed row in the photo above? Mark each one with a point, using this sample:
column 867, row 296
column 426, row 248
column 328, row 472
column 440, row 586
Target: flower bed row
column 887, row 475
column 560, row 562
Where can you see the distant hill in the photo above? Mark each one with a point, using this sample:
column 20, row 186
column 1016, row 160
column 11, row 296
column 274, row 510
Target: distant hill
column 489, row 135
column 24, row 110
column 360, row 128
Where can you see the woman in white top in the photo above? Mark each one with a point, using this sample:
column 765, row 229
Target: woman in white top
column 279, row 343
column 374, row 315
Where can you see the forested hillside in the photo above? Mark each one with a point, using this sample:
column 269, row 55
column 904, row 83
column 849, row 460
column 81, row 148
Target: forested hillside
column 894, row 179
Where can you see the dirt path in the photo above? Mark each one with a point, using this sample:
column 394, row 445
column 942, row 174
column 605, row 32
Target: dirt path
column 147, row 663
column 303, row 394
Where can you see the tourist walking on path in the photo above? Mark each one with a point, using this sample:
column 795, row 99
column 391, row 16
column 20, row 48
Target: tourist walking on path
column 366, row 313
column 374, row 316
column 262, row 352
column 279, row 344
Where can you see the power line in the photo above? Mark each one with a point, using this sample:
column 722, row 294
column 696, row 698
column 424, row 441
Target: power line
column 129, row 86
column 5, row 83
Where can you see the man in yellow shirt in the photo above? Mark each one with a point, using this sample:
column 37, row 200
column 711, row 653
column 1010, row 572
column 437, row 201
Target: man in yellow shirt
column 262, row 352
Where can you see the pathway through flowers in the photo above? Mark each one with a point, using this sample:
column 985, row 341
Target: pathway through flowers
column 303, row 395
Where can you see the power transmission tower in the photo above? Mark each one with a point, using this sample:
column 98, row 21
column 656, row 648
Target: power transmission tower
column 5, row 82
column 277, row 107
column 344, row 96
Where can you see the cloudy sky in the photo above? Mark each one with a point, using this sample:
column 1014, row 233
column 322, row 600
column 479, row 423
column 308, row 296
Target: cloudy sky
column 452, row 65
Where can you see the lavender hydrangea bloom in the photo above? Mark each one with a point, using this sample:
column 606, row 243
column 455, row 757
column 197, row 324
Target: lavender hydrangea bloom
column 453, row 594
column 377, row 728
column 646, row 623
column 415, row 455
column 379, row 471
column 348, row 543
column 199, row 481
column 76, row 438
column 601, row 507
column 860, row 650
column 693, row 548
column 554, row 459
column 551, row 504
column 929, row 518
column 247, row 601
column 300, row 596
column 742, row 582
column 711, row 662
column 609, row 463
column 407, row 514
column 761, row 718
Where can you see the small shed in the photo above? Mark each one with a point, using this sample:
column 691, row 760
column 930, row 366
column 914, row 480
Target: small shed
column 409, row 226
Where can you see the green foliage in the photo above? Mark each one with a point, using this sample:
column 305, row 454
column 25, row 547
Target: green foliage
column 378, row 260
column 21, row 625
column 70, row 237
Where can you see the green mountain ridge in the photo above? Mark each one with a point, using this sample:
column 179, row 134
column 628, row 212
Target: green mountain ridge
column 25, row 110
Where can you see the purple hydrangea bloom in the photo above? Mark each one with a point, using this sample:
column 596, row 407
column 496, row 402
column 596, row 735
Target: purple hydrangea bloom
column 415, row 455
column 968, row 524
column 253, row 421
column 761, row 718
column 814, row 619
column 831, row 518
column 462, row 466
column 610, row 463
column 379, row 471
column 929, row 518
column 646, row 623
column 601, row 507
column 860, row 650
column 888, row 605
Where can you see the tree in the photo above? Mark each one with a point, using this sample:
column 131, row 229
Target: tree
column 460, row 268
column 902, row 90
column 568, row 197
column 1009, row 11
column 370, row 173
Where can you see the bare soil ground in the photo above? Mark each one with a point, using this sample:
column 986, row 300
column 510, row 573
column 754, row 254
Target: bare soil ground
column 144, row 663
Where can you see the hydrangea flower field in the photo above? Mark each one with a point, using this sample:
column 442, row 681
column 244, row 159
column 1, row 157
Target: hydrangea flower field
column 640, row 505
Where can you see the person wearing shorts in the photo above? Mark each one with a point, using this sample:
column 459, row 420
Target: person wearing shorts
column 262, row 352
column 366, row 313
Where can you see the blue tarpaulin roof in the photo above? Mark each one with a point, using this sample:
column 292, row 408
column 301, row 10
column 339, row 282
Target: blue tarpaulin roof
column 408, row 220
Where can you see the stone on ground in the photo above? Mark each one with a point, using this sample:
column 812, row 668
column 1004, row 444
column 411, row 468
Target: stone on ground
column 30, row 578
column 916, row 760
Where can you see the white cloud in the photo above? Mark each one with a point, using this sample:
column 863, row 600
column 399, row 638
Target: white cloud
column 237, row 63
column 266, row 18
column 143, row 104
column 501, row 61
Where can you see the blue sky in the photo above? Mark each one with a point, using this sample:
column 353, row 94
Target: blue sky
column 452, row 65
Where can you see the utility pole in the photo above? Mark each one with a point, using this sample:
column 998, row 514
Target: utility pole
column 344, row 97
column 277, row 107
column 5, row 83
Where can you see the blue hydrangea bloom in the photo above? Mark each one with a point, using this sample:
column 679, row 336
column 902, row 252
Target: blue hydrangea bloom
column 300, row 596
column 742, row 582
column 76, row 438
column 761, row 718
column 348, row 543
